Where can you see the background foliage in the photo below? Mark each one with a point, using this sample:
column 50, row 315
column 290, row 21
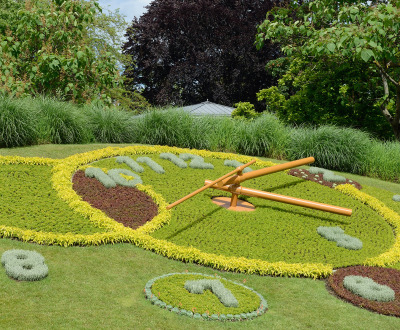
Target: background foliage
column 48, row 50
column 343, row 53
column 185, row 52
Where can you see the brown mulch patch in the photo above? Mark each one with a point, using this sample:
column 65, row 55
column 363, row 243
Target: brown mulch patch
column 126, row 205
column 304, row 174
column 385, row 276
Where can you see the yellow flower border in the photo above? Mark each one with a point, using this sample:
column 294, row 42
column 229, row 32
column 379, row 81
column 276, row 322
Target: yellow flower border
column 392, row 256
column 61, row 182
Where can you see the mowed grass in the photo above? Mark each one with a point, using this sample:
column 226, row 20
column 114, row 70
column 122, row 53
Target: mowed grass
column 102, row 287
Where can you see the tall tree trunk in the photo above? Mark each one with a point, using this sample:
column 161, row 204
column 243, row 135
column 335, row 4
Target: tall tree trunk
column 394, row 121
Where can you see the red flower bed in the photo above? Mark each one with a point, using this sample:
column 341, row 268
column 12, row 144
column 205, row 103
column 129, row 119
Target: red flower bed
column 306, row 175
column 129, row 206
column 385, row 276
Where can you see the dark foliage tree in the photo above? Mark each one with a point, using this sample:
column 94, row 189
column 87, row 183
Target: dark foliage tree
column 187, row 51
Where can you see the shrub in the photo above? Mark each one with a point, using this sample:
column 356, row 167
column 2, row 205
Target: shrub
column 274, row 100
column 61, row 122
column 109, row 125
column 244, row 110
column 18, row 123
column 334, row 148
column 266, row 136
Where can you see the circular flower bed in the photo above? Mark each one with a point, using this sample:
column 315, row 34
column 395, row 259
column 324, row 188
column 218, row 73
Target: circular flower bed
column 383, row 276
column 205, row 297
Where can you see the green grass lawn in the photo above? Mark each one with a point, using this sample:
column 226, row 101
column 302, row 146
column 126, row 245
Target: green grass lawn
column 102, row 286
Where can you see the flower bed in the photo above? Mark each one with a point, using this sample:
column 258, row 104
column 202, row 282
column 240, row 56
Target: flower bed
column 276, row 239
column 384, row 276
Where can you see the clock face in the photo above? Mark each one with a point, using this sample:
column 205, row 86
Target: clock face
column 39, row 199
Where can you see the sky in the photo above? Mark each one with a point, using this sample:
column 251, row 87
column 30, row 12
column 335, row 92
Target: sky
column 129, row 8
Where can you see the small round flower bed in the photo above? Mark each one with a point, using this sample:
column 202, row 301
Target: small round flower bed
column 205, row 297
column 383, row 277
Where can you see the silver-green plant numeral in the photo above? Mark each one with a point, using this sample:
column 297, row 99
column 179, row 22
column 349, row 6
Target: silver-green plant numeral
column 337, row 235
column 113, row 177
column 131, row 163
column 327, row 174
column 97, row 173
column 235, row 163
column 24, row 265
column 152, row 164
column 224, row 295
column 174, row 159
column 197, row 162
column 367, row 288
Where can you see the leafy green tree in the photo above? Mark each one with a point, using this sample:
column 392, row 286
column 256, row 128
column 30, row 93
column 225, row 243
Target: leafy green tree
column 47, row 52
column 344, row 32
column 8, row 13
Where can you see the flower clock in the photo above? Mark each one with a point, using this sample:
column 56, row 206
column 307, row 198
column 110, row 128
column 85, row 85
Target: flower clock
column 117, row 195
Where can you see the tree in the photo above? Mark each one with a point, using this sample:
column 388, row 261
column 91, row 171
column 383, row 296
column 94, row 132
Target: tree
column 185, row 52
column 8, row 13
column 47, row 51
column 326, row 92
column 344, row 31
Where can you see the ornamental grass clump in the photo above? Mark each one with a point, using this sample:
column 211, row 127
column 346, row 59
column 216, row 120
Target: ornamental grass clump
column 265, row 136
column 109, row 125
column 384, row 160
column 152, row 164
column 130, row 162
column 95, row 172
column 24, row 265
column 18, row 123
column 170, row 127
column 334, row 148
column 367, row 288
column 61, row 122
